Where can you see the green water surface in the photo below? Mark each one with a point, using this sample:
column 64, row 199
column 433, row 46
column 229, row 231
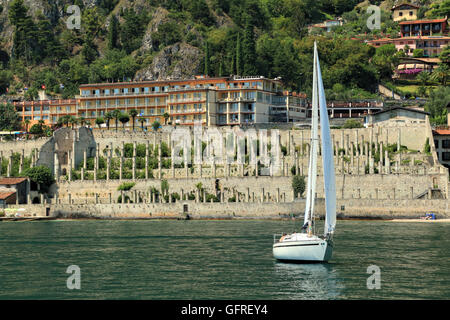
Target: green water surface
column 218, row 260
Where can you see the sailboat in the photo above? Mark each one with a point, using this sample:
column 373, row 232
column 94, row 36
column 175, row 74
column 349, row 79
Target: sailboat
column 308, row 246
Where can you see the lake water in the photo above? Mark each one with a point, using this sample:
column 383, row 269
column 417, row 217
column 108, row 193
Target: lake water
column 218, row 260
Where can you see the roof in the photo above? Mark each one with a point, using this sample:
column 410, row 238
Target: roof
column 423, row 21
column 441, row 132
column 424, row 60
column 401, row 108
column 404, row 4
column 11, row 180
column 6, row 195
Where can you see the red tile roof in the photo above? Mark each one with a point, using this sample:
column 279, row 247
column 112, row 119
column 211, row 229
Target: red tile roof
column 12, row 180
column 423, row 21
column 6, row 195
column 442, row 131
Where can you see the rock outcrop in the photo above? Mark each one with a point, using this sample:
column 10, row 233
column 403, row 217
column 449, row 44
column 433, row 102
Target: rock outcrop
column 178, row 61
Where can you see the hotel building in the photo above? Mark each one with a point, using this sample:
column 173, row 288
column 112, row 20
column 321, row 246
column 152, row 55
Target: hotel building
column 212, row 101
column 47, row 110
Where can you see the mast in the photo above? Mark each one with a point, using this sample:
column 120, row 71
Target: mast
column 312, row 172
column 327, row 156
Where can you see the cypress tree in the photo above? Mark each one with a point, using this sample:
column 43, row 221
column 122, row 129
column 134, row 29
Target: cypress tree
column 249, row 49
column 113, row 33
column 238, row 56
column 207, row 67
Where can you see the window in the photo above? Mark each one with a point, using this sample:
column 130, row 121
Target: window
column 68, row 108
column 400, row 14
column 446, row 156
column 445, row 144
column 410, row 13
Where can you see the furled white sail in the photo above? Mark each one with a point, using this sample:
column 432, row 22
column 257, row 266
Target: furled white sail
column 312, row 171
column 327, row 154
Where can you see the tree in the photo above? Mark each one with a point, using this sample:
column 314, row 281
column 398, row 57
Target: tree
column 249, row 49
column 437, row 105
column 156, row 125
column 73, row 121
column 42, row 176
column 166, row 117
column 207, row 62
column 113, row 33
column 418, row 53
column 36, row 129
column 133, row 114
column 116, row 114
column 24, row 37
column 238, row 55
column 99, row 121
column 385, row 60
column 423, row 77
column 441, row 73
column 124, row 118
column 108, row 117
column 6, row 78
column 298, row 185
column 164, row 187
column 27, row 123
column 9, row 118
column 445, row 55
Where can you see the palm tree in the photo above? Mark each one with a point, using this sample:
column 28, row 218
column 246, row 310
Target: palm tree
column 108, row 117
column 99, row 121
column 82, row 121
column 116, row 114
column 124, row 118
column 133, row 114
column 441, row 74
column 73, row 121
column 423, row 77
column 142, row 120
column 27, row 122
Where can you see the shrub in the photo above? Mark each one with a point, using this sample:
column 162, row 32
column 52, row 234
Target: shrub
column 126, row 186
column 298, row 185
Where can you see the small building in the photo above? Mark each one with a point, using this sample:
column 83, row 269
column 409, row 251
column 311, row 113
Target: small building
column 396, row 117
column 442, row 144
column 7, row 198
column 404, row 11
column 432, row 45
column 17, row 186
column 409, row 68
column 424, row 27
column 326, row 25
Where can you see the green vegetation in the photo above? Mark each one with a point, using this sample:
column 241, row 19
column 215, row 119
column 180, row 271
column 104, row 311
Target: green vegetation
column 248, row 37
column 126, row 186
column 9, row 119
column 351, row 124
column 298, row 185
column 42, row 176
column 437, row 105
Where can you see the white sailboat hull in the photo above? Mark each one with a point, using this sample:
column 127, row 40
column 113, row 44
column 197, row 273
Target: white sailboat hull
column 303, row 249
